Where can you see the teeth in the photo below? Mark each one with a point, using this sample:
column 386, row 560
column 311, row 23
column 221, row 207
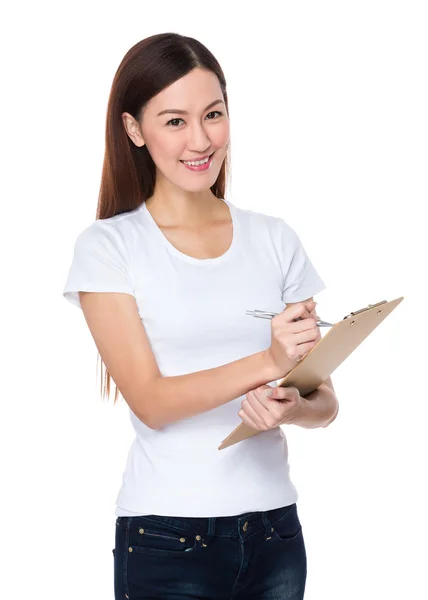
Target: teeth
column 197, row 162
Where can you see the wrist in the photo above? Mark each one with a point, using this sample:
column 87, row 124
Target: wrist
column 270, row 369
column 278, row 372
column 318, row 410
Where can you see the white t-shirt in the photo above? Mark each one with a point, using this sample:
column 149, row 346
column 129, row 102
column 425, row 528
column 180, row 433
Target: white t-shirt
column 194, row 313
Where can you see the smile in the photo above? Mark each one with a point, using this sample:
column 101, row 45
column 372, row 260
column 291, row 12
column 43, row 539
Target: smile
column 198, row 165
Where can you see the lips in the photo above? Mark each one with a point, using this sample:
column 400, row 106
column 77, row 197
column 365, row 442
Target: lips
column 196, row 159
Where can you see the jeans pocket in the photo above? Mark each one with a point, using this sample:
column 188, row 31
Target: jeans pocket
column 288, row 526
column 155, row 536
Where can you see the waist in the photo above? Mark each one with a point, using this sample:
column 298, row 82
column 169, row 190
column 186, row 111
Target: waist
column 229, row 526
column 199, row 482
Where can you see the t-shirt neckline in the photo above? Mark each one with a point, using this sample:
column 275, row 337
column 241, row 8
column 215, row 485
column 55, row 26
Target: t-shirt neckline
column 186, row 257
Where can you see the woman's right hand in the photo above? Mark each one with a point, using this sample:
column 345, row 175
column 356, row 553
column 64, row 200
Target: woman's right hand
column 292, row 340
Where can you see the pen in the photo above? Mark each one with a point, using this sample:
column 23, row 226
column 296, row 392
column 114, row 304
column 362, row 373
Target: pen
column 262, row 314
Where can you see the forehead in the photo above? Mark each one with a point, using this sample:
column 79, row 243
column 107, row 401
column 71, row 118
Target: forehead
column 192, row 92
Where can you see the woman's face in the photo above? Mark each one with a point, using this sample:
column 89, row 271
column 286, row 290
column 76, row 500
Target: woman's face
column 194, row 124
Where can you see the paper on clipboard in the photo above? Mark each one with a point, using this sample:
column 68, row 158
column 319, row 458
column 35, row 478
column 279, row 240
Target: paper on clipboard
column 330, row 352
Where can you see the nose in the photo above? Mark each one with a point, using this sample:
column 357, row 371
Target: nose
column 198, row 140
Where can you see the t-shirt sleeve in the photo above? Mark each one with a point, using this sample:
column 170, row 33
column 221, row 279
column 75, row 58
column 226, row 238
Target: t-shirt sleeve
column 100, row 263
column 301, row 279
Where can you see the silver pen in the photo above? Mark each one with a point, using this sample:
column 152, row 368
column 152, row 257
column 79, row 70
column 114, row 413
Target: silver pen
column 262, row 314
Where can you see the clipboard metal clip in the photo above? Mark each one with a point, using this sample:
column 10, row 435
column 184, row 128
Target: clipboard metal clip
column 357, row 312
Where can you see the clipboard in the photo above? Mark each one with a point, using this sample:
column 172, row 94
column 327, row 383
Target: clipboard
column 324, row 358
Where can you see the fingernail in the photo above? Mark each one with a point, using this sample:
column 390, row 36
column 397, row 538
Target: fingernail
column 268, row 392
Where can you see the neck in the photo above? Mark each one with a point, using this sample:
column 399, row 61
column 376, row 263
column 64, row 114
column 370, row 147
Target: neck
column 183, row 208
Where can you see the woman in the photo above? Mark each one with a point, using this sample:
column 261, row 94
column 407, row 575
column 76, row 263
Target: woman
column 164, row 277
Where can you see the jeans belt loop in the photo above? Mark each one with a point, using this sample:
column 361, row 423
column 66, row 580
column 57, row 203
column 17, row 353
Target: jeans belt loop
column 268, row 526
column 211, row 531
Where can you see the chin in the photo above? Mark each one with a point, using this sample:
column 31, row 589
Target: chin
column 201, row 187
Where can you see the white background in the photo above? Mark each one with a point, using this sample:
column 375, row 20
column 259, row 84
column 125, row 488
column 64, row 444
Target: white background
column 329, row 118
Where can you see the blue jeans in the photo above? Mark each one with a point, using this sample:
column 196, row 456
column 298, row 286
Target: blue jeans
column 253, row 556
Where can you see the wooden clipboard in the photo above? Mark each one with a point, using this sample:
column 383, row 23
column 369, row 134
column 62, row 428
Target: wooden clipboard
column 324, row 358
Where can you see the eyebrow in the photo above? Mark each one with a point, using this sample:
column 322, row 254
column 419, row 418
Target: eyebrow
column 184, row 112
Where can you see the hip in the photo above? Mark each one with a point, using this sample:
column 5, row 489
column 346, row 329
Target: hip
column 210, row 556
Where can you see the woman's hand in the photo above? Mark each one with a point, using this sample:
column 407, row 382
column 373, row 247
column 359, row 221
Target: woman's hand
column 262, row 412
column 292, row 339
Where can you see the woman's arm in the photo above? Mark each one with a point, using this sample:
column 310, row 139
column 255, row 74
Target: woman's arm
column 183, row 396
column 266, row 408
column 157, row 401
column 320, row 407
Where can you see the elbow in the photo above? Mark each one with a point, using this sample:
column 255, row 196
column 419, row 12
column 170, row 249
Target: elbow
column 150, row 420
column 149, row 417
column 330, row 421
column 147, row 422
column 155, row 420
column 144, row 402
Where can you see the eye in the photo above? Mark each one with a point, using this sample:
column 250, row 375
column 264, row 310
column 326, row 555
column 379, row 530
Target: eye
column 171, row 121
column 214, row 111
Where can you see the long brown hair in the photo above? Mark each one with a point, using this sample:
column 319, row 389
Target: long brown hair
column 128, row 173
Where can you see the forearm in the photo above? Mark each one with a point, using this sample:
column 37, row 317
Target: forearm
column 170, row 399
column 319, row 408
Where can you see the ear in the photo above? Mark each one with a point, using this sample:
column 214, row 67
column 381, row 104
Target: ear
column 133, row 130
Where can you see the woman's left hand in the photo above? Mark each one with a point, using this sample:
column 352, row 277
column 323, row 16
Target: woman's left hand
column 262, row 412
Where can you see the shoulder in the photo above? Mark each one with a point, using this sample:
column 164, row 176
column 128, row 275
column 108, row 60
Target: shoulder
column 98, row 236
column 117, row 232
